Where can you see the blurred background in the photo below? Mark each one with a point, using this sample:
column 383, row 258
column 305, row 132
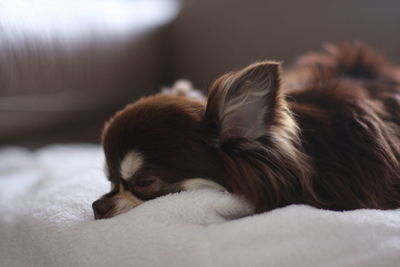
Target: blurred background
column 66, row 66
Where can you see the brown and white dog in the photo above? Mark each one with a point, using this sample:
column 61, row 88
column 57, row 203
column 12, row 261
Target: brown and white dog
column 326, row 134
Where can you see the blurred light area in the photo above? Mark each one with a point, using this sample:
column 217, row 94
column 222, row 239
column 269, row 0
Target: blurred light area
column 75, row 19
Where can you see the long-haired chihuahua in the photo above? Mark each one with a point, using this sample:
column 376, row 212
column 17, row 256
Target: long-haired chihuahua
column 326, row 133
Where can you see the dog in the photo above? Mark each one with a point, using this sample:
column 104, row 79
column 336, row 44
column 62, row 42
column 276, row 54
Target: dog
column 326, row 133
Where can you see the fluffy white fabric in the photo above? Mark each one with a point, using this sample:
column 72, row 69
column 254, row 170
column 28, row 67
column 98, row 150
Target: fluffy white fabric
column 46, row 220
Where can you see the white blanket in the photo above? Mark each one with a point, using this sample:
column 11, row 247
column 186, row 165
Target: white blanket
column 46, row 220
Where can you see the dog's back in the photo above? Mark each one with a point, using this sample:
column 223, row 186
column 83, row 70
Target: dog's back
column 347, row 104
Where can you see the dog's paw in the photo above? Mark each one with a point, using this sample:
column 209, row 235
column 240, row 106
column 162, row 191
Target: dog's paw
column 184, row 88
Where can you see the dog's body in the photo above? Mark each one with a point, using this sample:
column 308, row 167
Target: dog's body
column 329, row 136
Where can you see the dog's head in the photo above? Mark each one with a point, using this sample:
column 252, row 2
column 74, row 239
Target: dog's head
column 163, row 144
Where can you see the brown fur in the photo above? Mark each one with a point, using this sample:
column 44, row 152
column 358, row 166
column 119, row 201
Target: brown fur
column 328, row 137
column 168, row 131
column 349, row 113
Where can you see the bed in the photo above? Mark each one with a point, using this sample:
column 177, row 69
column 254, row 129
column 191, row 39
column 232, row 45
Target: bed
column 46, row 220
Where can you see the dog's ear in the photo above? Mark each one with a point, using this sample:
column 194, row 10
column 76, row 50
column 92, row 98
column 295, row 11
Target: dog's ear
column 242, row 104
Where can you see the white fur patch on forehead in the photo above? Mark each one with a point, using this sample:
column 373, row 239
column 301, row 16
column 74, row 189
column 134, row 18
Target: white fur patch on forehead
column 131, row 163
column 201, row 183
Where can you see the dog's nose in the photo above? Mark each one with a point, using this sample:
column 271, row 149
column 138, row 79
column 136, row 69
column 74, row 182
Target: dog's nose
column 101, row 207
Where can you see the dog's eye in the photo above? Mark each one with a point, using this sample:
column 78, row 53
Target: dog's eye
column 146, row 187
column 144, row 182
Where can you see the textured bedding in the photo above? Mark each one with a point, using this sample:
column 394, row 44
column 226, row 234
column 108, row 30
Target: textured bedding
column 46, row 220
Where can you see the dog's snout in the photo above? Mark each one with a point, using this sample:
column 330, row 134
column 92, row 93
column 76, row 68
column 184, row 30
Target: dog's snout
column 101, row 207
